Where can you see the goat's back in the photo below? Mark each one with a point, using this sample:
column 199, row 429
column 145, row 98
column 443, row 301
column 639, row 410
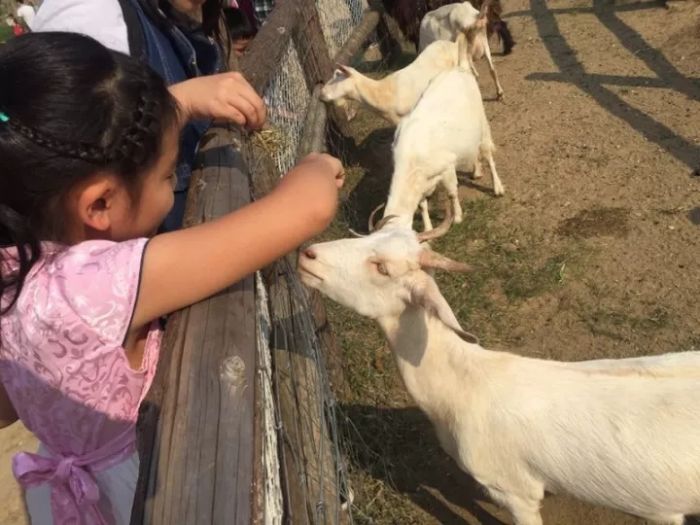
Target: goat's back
column 448, row 117
column 610, row 436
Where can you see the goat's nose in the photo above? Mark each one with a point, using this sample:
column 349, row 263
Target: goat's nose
column 310, row 253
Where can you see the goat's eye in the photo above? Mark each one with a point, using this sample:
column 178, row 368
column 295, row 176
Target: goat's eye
column 381, row 268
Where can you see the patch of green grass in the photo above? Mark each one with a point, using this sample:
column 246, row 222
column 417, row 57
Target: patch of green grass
column 506, row 271
column 620, row 325
column 5, row 31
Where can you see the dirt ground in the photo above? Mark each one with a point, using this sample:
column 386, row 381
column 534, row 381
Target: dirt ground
column 12, row 440
column 591, row 253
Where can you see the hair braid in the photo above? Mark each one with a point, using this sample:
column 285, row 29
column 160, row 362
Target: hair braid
column 78, row 150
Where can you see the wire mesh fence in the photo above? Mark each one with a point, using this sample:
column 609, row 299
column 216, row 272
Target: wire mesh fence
column 338, row 19
column 287, row 98
column 303, row 468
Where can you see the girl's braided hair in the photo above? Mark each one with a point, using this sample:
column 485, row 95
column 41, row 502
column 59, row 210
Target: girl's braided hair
column 72, row 108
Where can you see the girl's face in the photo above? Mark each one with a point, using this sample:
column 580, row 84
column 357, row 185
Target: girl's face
column 103, row 207
column 141, row 216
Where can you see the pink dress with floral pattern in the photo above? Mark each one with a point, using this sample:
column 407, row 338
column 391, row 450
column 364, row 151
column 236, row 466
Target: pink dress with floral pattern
column 65, row 370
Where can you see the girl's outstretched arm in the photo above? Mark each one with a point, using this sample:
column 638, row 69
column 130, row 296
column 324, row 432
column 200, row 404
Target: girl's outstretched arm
column 183, row 267
column 7, row 411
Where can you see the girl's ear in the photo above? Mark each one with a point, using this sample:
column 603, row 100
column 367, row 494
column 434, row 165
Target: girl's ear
column 94, row 203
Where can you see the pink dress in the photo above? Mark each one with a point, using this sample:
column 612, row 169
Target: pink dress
column 64, row 368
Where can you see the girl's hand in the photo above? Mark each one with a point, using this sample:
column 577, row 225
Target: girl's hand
column 226, row 96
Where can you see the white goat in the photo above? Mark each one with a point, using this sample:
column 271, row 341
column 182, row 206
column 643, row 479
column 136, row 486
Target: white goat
column 446, row 131
column 393, row 96
column 451, row 20
column 620, row 433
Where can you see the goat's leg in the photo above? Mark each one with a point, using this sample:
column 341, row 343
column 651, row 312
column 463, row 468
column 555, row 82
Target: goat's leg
column 492, row 69
column 449, row 179
column 498, row 188
column 427, row 223
column 524, row 511
column 478, row 170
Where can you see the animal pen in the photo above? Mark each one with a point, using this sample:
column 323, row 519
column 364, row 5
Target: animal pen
column 240, row 424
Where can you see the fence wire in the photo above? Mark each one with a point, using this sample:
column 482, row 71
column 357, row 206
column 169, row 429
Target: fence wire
column 287, row 98
column 338, row 19
column 310, row 481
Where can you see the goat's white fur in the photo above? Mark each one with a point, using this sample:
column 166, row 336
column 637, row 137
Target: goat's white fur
column 448, row 21
column 446, row 132
column 393, row 96
column 620, row 433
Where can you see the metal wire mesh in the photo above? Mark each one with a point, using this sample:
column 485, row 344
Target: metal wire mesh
column 287, row 98
column 338, row 19
column 303, row 463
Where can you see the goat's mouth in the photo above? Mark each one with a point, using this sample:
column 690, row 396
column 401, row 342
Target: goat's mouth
column 308, row 277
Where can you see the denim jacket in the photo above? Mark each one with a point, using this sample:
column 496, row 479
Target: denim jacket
column 178, row 54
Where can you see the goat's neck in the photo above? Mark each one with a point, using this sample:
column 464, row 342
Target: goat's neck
column 379, row 94
column 433, row 360
column 405, row 193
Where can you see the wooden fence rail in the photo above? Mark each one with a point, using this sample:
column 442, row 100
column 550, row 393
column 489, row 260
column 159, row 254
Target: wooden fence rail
column 199, row 430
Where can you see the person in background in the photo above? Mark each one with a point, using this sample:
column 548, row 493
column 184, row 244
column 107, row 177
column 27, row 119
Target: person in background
column 241, row 29
column 179, row 39
column 89, row 144
column 25, row 13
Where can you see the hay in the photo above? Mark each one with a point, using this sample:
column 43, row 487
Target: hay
column 272, row 140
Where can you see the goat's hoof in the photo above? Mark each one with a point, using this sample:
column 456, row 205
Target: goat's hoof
column 500, row 96
column 499, row 192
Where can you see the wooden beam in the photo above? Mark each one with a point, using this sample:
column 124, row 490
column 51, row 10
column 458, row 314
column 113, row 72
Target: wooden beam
column 359, row 37
column 201, row 465
column 265, row 52
column 311, row 45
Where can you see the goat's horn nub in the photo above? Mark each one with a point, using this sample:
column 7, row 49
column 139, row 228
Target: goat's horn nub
column 370, row 223
column 442, row 229
column 355, row 234
column 384, row 221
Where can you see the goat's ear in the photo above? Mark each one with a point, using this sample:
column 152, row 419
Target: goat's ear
column 425, row 293
column 345, row 70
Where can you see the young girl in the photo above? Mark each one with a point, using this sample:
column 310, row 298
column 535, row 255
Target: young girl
column 88, row 145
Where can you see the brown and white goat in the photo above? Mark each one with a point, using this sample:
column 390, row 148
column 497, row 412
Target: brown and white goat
column 395, row 95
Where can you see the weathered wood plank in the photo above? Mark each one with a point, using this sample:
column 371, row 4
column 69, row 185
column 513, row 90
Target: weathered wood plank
column 359, row 36
column 311, row 45
column 201, row 465
column 265, row 52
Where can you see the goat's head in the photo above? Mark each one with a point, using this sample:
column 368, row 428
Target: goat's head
column 340, row 85
column 380, row 275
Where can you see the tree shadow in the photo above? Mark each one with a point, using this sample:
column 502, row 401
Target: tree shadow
column 573, row 71
column 397, row 446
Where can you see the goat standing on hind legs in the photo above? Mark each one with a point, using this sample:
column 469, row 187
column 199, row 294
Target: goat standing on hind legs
column 409, row 13
column 449, row 21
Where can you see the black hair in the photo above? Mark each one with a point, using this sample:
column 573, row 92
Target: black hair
column 69, row 107
column 238, row 24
